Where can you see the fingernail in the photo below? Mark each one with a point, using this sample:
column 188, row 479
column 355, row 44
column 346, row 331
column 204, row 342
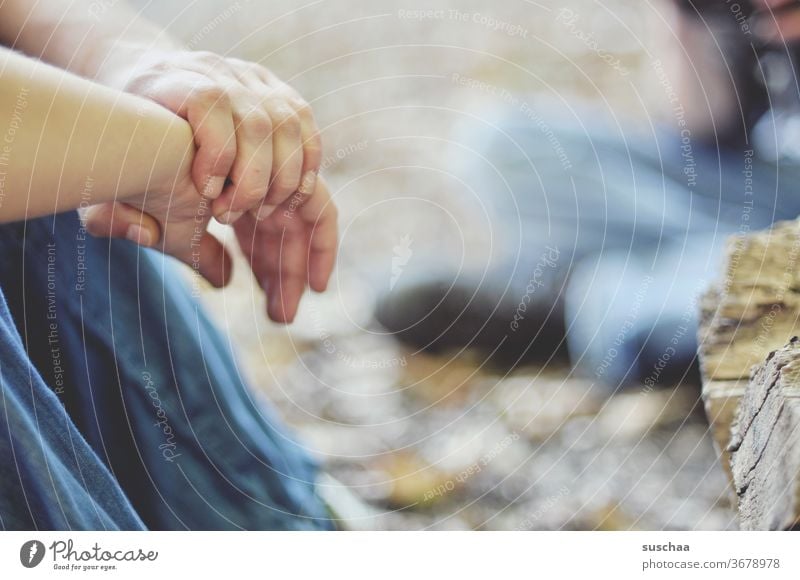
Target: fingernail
column 138, row 235
column 230, row 217
column 265, row 211
column 213, row 186
column 307, row 183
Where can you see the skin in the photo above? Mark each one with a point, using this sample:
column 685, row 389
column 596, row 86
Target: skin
column 60, row 131
column 248, row 147
column 778, row 21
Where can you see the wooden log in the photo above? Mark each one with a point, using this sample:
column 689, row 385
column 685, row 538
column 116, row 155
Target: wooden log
column 752, row 310
column 765, row 444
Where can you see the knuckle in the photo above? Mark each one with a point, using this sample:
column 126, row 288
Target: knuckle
column 302, row 107
column 222, row 153
column 259, row 123
column 256, row 180
column 292, row 129
column 313, row 148
column 284, row 184
column 211, row 95
column 286, row 120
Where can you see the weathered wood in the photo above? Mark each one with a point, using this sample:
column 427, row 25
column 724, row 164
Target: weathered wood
column 721, row 400
column 765, row 444
column 754, row 309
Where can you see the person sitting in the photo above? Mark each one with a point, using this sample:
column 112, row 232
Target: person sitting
column 605, row 231
column 121, row 407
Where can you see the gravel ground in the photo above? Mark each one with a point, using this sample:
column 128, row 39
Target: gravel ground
column 424, row 442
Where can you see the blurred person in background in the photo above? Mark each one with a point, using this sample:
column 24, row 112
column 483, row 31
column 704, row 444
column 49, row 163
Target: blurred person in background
column 120, row 406
column 611, row 230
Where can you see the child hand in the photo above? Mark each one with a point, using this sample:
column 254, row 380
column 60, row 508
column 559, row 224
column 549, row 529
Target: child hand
column 256, row 163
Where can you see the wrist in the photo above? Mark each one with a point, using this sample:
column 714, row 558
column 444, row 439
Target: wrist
column 173, row 168
column 170, row 140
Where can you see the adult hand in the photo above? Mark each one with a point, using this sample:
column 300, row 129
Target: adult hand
column 257, row 159
column 293, row 247
column 257, row 141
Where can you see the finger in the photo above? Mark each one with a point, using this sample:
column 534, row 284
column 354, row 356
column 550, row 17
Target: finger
column 277, row 256
column 260, row 79
column 252, row 168
column 287, row 154
column 208, row 258
column 214, row 262
column 249, row 75
column 120, row 220
column 312, row 150
column 286, row 279
column 321, row 215
column 283, row 299
column 215, row 135
column 259, row 243
column 207, row 108
column 245, row 230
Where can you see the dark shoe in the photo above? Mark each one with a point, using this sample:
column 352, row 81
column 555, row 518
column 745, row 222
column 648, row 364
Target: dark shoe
column 510, row 315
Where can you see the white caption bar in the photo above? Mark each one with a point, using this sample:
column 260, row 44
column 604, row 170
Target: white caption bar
column 401, row 555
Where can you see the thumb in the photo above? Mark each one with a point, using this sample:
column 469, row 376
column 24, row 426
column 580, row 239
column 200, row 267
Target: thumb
column 207, row 256
column 120, row 220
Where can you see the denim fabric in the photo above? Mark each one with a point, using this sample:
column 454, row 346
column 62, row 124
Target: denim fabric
column 50, row 478
column 640, row 216
column 149, row 383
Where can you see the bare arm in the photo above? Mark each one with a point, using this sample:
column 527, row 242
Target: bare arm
column 258, row 148
column 61, row 132
column 87, row 37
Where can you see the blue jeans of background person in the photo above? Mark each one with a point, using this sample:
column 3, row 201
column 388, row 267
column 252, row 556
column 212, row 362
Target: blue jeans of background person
column 122, row 407
column 639, row 216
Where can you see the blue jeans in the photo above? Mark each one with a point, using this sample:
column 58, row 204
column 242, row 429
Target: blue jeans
column 639, row 215
column 122, row 407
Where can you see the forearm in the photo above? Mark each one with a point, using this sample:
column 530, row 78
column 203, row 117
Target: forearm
column 67, row 141
column 88, row 37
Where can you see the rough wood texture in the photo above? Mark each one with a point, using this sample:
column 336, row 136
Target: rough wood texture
column 765, row 443
column 752, row 311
